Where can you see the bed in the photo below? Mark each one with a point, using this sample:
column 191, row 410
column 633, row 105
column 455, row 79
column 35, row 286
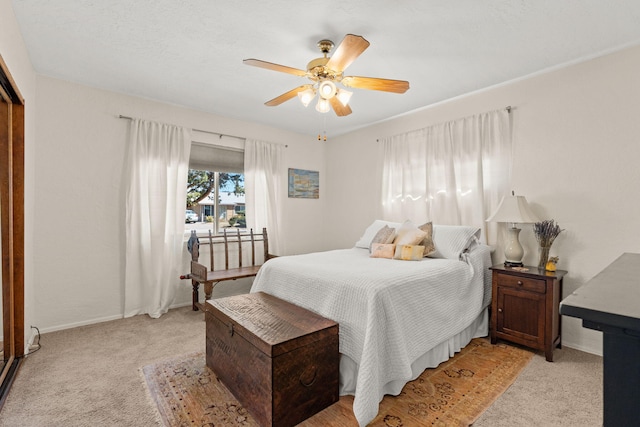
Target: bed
column 396, row 317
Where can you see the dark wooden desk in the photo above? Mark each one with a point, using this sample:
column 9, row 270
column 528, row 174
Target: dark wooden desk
column 610, row 303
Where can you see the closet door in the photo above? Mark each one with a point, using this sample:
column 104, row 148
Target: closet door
column 11, row 227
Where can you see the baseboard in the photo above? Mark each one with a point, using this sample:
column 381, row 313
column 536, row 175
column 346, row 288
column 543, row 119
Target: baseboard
column 88, row 322
column 77, row 324
column 586, row 349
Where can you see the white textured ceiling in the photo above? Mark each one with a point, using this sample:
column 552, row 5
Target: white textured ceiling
column 190, row 52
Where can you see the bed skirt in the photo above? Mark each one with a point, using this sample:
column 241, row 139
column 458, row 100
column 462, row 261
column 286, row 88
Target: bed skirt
column 432, row 358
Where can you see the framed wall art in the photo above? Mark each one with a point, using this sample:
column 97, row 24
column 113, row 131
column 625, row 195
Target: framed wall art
column 304, row 184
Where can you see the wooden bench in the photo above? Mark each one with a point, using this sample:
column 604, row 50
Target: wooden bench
column 210, row 277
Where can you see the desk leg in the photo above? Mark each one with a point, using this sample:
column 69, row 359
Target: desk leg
column 621, row 379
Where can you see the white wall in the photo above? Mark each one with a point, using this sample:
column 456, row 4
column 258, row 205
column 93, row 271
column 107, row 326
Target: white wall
column 79, row 197
column 14, row 53
column 576, row 152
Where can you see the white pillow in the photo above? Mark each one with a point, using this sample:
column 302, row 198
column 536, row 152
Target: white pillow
column 409, row 234
column 371, row 231
column 452, row 240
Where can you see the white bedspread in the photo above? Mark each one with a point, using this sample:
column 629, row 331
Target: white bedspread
column 390, row 312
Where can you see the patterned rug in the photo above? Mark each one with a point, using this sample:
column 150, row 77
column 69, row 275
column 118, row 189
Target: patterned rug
column 456, row 393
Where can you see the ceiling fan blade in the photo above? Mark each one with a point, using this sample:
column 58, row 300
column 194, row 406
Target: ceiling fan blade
column 372, row 83
column 275, row 67
column 340, row 110
column 286, row 96
column 349, row 49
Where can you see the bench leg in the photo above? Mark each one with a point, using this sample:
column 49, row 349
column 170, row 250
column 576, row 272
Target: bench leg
column 208, row 289
column 194, row 297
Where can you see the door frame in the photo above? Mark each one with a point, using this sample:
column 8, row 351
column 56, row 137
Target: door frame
column 11, row 226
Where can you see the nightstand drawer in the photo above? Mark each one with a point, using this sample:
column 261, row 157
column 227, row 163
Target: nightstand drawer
column 518, row 282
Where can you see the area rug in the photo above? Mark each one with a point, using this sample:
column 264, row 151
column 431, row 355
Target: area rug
column 456, row 393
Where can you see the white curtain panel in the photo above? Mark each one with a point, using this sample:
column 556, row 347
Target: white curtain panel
column 263, row 183
column 158, row 162
column 452, row 173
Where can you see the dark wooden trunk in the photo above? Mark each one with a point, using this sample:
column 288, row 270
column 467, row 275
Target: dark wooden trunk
column 279, row 360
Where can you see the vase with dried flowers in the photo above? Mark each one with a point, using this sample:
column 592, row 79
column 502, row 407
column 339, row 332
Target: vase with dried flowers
column 546, row 232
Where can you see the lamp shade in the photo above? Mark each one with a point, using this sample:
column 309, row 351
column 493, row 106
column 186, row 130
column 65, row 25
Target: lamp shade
column 326, row 89
column 306, row 96
column 344, row 96
column 514, row 209
column 322, row 106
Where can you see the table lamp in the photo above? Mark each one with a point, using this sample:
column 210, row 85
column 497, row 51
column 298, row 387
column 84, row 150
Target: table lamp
column 513, row 209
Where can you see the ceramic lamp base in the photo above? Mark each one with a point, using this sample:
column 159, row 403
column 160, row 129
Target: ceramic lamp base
column 513, row 251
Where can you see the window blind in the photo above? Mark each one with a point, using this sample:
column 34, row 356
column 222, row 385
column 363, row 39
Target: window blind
column 216, row 158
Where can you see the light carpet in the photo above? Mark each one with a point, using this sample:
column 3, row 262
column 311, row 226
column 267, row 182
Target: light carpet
column 455, row 393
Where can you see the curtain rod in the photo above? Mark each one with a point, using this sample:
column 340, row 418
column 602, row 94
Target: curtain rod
column 198, row 130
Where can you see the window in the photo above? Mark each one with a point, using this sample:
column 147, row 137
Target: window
column 215, row 189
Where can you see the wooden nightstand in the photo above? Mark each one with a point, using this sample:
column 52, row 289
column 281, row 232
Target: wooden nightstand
column 524, row 307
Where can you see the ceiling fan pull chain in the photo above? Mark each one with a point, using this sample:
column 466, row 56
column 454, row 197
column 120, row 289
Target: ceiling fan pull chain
column 324, row 119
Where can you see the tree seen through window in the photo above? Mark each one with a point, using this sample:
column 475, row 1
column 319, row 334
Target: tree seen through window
column 201, row 198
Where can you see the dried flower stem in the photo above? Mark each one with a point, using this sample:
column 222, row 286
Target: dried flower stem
column 546, row 232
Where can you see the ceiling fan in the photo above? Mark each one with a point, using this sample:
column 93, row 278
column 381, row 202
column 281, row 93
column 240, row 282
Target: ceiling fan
column 325, row 72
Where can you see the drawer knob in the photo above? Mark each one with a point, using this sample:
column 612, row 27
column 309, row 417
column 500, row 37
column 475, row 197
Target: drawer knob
column 520, row 283
column 499, row 310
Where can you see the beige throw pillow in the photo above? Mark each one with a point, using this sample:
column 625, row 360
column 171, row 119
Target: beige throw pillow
column 385, row 235
column 409, row 252
column 429, row 246
column 381, row 250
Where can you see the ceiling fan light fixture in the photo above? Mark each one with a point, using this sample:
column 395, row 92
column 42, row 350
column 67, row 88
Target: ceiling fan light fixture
column 306, row 96
column 323, row 105
column 344, row 96
column 327, row 89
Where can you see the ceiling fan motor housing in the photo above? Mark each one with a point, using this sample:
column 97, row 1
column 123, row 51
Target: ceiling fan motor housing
column 317, row 70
